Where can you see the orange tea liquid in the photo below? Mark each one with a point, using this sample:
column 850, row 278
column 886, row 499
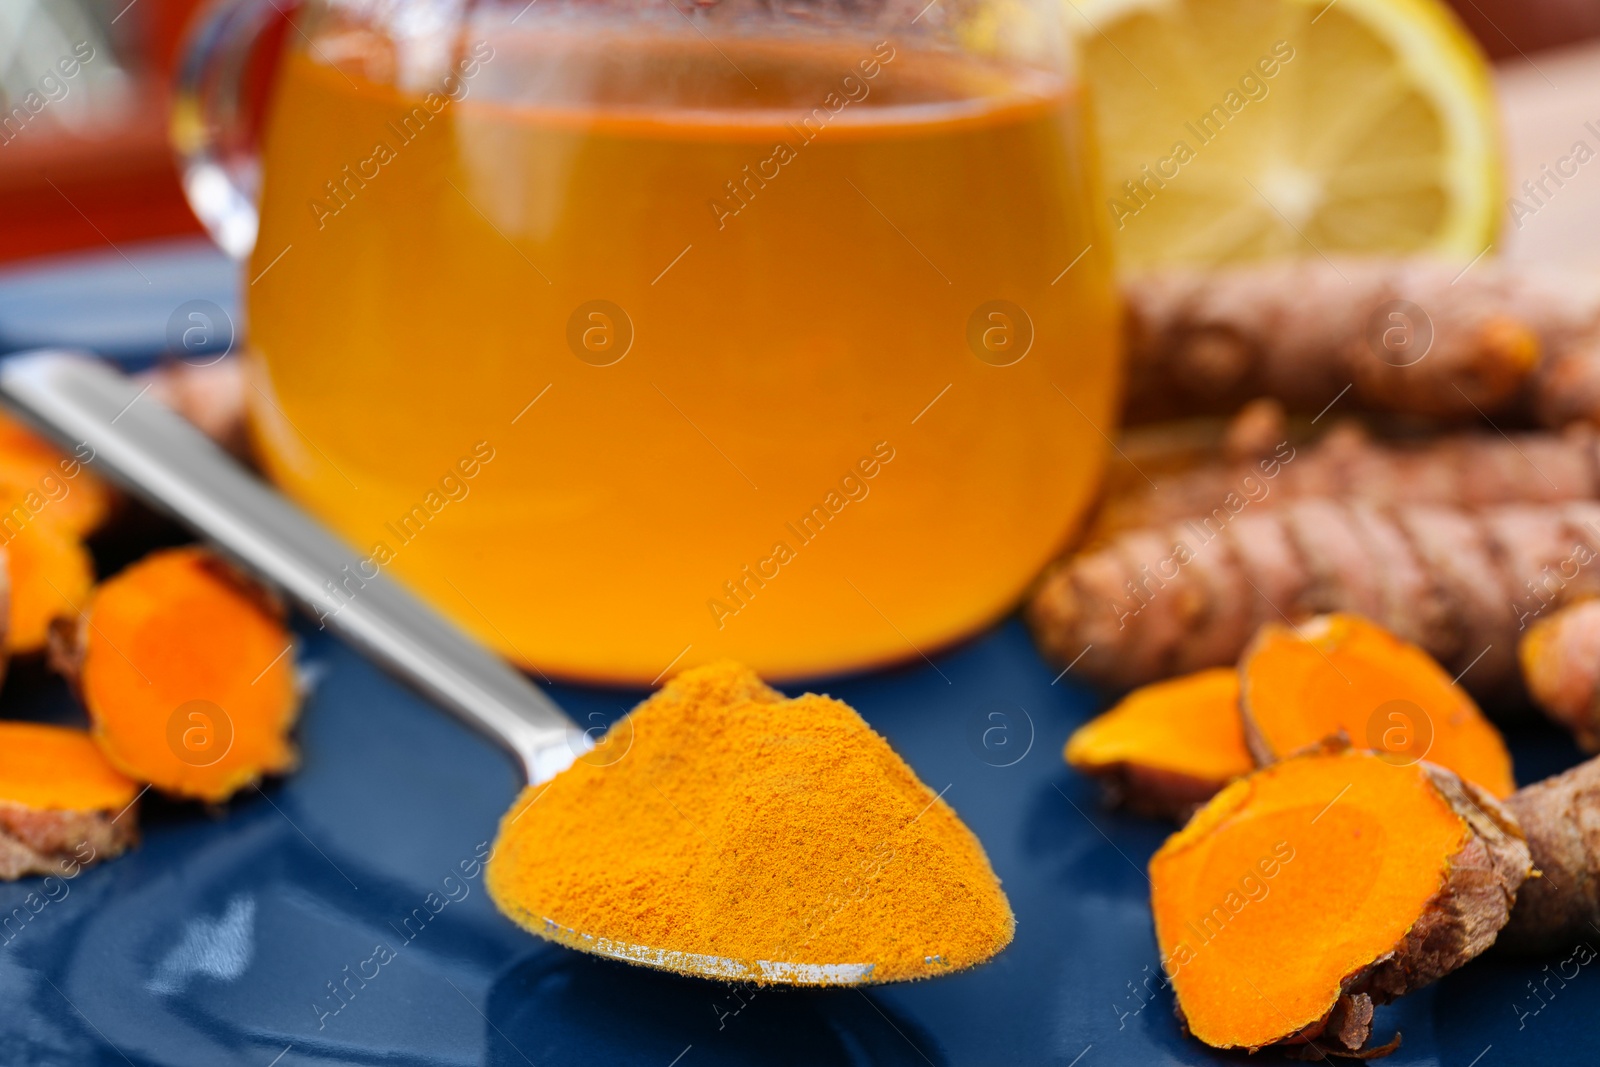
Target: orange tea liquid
column 638, row 354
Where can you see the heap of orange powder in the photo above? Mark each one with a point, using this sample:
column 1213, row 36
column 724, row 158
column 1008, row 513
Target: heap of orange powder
column 720, row 819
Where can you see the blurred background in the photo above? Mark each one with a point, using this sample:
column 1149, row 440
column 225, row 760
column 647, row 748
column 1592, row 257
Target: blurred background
column 84, row 159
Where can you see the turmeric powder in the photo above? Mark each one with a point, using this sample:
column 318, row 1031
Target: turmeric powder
column 1303, row 895
column 728, row 829
column 62, row 804
column 187, row 672
column 1342, row 675
column 1169, row 746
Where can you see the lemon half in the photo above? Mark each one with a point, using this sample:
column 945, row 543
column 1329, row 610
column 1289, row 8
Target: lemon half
column 1244, row 129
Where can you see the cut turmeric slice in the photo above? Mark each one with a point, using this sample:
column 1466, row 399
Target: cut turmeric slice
column 1167, row 747
column 1340, row 674
column 40, row 484
column 51, row 576
column 62, row 805
column 1560, row 658
column 188, row 674
column 1315, row 888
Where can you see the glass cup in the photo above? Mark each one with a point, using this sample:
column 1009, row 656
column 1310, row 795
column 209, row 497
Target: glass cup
column 637, row 335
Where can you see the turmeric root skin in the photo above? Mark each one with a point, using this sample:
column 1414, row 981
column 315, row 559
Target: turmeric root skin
column 62, row 805
column 60, row 842
column 1561, row 818
column 1505, row 340
column 1168, row 600
column 1457, row 471
column 211, row 396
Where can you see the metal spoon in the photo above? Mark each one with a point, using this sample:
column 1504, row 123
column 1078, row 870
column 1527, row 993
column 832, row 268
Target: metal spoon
column 138, row 443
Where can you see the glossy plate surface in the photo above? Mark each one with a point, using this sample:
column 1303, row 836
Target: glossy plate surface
column 215, row 942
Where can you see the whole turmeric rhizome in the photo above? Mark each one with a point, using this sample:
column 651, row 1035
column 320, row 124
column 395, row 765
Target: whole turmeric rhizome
column 722, row 825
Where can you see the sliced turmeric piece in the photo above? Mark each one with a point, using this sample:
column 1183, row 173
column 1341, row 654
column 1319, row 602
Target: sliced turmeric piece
column 1167, row 747
column 1341, row 674
column 62, row 805
column 188, row 674
column 1561, row 667
column 40, row 484
column 51, row 576
column 1315, row 888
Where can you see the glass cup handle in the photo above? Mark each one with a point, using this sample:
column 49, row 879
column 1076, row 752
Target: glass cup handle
column 216, row 155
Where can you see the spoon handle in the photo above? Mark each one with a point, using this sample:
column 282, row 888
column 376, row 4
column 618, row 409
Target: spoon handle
column 138, row 443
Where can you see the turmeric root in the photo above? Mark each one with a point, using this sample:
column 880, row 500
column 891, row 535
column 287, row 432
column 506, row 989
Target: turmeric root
column 1405, row 335
column 1561, row 818
column 1305, row 894
column 1460, row 470
column 62, row 805
column 211, row 396
column 187, row 672
column 1561, row 667
column 51, row 575
column 1340, row 675
column 1159, row 600
column 1167, row 747
column 39, row 484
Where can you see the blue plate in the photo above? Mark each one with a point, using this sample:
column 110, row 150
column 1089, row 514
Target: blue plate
column 249, row 936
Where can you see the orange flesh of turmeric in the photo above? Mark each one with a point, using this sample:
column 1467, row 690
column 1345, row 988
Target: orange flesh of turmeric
column 47, row 485
column 720, row 819
column 1188, row 726
column 51, row 577
column 53, row 768
column 188, row 677
column 1291, row 881
column 1342, row 673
